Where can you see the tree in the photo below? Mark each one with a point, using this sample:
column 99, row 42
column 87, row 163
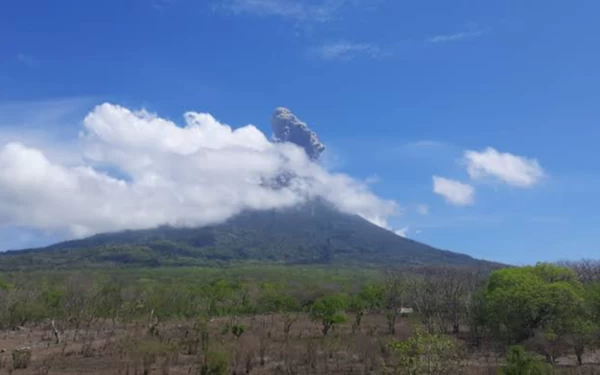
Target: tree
column 587, row 270
column 329, row 310
column 217, row 293
column 592, row 300
column 275, row 299
column 109, row 300
column 358, row 306
column 477, row 318
column 426, row 298
column 519, row 301
column 394, row 294
column 369, row 298
column 456, row 286
column 23, row 306
column 583, row 334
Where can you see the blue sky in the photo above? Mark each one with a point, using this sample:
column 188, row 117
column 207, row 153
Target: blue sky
column 398, row 91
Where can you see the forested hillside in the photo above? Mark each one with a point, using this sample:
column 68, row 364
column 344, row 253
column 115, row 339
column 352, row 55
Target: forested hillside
column 315, row 233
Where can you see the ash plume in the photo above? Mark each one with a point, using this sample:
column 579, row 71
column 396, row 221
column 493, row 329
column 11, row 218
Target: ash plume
column 288, row 128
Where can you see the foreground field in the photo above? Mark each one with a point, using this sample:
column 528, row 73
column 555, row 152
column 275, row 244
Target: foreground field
column 188, row 347
column 302, row 320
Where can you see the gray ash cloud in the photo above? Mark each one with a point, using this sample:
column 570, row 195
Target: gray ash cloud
column 288, row 128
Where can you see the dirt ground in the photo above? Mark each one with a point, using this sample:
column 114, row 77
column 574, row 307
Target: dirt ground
column 262, row 348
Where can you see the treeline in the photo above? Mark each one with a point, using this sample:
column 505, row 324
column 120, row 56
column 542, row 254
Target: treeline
column 551, row 310
column 439, row 295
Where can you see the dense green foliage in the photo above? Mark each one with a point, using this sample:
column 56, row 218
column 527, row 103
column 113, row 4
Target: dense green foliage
column 546, row 307
column 521, row 300
column 312, row 234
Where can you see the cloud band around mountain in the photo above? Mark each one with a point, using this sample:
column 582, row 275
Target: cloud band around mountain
column 141, row 171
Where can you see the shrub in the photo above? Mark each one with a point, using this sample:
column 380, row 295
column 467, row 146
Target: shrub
column 426, row 354
column 21, row 358
column 215, row 363
column 519, row 362
column 238, row 330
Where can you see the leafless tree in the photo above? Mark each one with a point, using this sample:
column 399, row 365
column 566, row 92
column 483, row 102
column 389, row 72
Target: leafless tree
column 457, row 285
column 425, row 297
column 587, row 270
column 394, row 297
column 441, row 296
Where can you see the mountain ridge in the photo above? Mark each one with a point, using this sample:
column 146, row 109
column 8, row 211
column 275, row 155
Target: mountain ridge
column 314, row 233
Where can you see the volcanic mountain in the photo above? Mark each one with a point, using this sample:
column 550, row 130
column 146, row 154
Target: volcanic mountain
column 314, row 233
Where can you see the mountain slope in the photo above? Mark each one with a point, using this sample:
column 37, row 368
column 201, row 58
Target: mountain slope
column 312, row 234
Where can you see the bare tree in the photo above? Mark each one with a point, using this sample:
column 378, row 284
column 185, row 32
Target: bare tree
column 456, row 287
column 394, row 297
column 587, row 270
column 441, row 296
column 425, row 298
column 78, row 302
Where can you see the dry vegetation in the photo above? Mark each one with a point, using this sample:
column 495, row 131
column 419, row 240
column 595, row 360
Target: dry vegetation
column 197, row 347
column 89, row 333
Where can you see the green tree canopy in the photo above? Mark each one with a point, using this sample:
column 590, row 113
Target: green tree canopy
column 521, row 300
column 329, row 310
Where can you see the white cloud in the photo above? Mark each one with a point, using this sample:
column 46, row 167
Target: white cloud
column 402, row 232
column 445, row 38
column 344, row 50
column 454, row 192
column 512, row 169
column 297, row 10
column 422, row 209
column 202, row 173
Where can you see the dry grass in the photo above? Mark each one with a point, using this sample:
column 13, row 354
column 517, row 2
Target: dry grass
column 186, row 347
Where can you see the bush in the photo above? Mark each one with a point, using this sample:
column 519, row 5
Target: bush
column 238, row 330
column 21, row 358
column 426, row 354
column 215, row 363
column 519, row 362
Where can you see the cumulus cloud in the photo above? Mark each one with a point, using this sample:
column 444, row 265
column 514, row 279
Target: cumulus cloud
column 511, row 169
column 140, row 171
column 454, row 192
